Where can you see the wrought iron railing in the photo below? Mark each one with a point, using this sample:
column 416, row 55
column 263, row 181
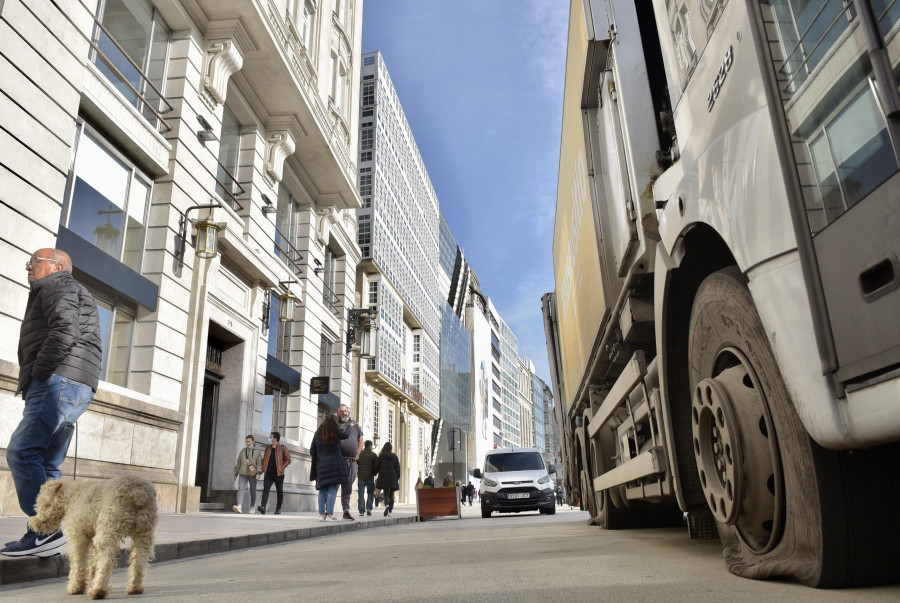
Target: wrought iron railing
column 330, row 299
column 227, row 191
column 289, row 254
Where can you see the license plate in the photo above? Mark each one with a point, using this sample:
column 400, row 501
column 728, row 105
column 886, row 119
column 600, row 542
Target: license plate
column 522, row 495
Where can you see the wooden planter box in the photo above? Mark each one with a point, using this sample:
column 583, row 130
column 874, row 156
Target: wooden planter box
column 437, row 502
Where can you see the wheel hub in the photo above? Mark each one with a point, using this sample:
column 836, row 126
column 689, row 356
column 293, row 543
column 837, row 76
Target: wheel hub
column 737, row 453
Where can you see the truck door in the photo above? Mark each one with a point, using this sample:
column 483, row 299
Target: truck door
column 848, row 125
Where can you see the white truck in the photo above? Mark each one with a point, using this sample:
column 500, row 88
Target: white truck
column 516, row 480
column 724, row 335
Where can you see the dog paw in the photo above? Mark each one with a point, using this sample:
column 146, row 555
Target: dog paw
column 98, row 593
column 76, row 589
column 134, row 590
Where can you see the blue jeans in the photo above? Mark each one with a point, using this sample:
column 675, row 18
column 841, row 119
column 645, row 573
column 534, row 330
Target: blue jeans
column 39, row 444
column 327, row 496
column 365, row 502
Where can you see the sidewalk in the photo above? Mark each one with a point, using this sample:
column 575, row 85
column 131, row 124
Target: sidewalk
column 189, row 535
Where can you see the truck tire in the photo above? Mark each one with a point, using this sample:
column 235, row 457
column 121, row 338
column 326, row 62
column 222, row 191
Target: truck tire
column 784, row 506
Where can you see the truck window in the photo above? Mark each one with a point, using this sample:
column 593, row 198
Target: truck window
column 513, row 461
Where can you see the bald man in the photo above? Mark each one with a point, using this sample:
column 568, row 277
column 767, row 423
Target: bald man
column 59, row 368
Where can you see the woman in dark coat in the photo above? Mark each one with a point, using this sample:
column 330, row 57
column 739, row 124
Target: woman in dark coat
column 387, row 467
column 328, row 468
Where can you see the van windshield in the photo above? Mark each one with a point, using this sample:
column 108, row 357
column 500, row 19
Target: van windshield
column 513, row 461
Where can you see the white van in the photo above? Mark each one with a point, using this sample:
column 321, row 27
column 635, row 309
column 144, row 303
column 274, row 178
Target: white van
column 516, row 479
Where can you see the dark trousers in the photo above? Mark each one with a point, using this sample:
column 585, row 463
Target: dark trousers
column 278, row 480
column 389, row 498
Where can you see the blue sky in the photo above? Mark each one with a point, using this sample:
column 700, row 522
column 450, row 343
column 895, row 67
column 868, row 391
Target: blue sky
column 481, row 83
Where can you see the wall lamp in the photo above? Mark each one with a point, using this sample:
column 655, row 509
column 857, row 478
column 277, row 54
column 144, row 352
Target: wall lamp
column 268, row 208
column 318, row 267
column 206, row 134
column 207, row 235
column 362, row 321
column 287, row 302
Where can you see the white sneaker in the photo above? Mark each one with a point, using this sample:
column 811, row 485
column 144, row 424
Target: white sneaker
column 236, row 509
column 332, row 517
column 321, row 518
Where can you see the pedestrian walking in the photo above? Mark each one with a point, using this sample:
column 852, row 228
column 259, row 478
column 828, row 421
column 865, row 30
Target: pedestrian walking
column 350, row 447
column 470, row 492
column 559, row 496
column 275, row 460
column 328, row 467
column 429, row 481
column 247, row 467
column 59, row 368
column 462, row 492
column 387, row 468
column 365, row 479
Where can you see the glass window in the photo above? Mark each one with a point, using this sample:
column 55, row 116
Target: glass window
column 109, row 200
column 116, row 336
column 329, row 276
column 808, row 29
column 287, row 224
column 229, row 151
column 279, row 332
column 326, row 356
column 139, row 31
column 852, row 154
column 390, row 424
column 376, row 416
column 274, row 410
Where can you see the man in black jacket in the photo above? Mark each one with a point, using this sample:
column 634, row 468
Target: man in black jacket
column 365, row 479
column 59, row 368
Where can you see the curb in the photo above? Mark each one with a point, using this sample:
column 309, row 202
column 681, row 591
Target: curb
column 30, row 569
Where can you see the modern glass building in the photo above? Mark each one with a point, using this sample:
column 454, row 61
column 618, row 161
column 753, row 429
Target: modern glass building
column 456, row 370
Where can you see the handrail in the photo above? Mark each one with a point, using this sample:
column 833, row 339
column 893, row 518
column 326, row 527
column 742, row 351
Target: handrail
column 115, row 69
column 227, row 189
column 815, row 47
column 292, row 255
column 329, row 297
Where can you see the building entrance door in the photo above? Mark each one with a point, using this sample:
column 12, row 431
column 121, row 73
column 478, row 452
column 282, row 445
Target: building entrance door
column 207, row 437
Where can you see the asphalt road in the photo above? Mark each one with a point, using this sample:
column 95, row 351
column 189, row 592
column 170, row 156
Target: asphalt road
column 519, row 558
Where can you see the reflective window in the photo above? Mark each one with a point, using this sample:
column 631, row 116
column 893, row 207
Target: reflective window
column 287, row 224
column 852, row 155
column 279, row 332
column 229, row 151
column 109, row 200
column 136, row 28
column 116, row 336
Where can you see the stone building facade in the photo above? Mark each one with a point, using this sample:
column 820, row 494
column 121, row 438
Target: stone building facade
column 122, row 122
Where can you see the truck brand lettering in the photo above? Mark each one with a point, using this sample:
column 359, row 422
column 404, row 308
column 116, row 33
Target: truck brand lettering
column 724, row 68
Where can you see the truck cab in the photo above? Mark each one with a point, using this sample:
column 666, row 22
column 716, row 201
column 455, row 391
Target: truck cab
column 514, row 480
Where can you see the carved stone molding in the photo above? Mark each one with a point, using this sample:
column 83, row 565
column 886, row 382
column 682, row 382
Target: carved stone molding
column 279, row 144
column 223, row 59
column 327, row 215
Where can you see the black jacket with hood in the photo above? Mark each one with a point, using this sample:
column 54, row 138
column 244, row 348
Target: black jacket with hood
column 60, row 333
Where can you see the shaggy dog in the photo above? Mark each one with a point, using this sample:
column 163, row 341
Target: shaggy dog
column 95, row 518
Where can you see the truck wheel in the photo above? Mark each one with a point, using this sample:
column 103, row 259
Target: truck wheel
column 611, row 517
column 784, row 506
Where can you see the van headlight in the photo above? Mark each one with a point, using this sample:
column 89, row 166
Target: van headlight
column 489, row 482
column 544, row 479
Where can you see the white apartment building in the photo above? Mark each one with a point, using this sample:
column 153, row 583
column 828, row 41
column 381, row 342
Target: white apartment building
column 398, row 239
column 133, row 132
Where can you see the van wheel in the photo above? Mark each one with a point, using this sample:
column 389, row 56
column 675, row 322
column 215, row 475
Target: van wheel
column 784, row 506
column 485, row 512
column 549, row 510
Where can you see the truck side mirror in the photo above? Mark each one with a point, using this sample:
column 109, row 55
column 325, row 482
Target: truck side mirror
column 551, row 468
column 476, row 473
